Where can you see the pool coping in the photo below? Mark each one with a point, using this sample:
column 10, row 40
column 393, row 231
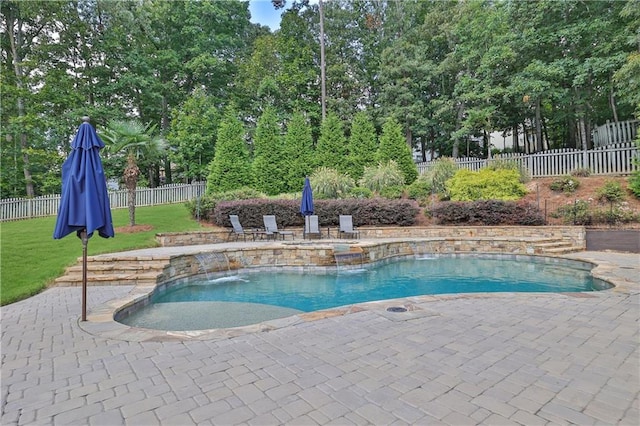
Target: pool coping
column 101, row 323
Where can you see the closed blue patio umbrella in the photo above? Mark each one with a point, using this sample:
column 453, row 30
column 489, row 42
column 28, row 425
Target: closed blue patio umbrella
column 306, row 206
column 84, row 205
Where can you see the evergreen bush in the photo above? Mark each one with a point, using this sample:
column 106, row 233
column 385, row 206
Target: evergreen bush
column 487, row 213
column 486, row 184
column 360, row 192
column 576, row 213
column 611, row 192
column 419, row 190
column 372, row 212
column 566, row 184
column 392, row 192
column 634, row 179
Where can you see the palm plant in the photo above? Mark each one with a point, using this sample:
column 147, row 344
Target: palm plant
column 137, row 141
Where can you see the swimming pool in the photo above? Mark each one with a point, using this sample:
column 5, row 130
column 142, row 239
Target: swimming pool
column 249, row 296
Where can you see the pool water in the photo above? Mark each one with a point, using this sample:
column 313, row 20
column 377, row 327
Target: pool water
column 261, row 295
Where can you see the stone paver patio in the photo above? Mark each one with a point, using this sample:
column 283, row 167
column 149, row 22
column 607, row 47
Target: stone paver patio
column 470, row 359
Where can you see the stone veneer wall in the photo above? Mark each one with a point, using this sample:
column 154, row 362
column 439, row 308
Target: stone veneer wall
column 575, row 235
column 323, row 253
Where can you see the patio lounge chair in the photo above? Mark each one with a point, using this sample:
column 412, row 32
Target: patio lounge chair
column 347, row 228
column 271, row 228
column 311, row 228
column 237, row 228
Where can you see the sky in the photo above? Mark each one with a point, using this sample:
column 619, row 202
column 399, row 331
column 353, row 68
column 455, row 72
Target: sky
column 263, row 12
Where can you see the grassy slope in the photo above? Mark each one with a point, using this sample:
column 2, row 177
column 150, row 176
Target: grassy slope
column 30, row 257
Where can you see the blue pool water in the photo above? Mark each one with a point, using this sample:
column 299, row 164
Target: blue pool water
column 285, row 293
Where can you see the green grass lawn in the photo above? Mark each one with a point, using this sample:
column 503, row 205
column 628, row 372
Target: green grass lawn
column 30, row 257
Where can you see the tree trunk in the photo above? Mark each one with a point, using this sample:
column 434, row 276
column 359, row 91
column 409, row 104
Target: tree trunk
column 168, row 178
column 514, row 138
column 612, row 103
column 131, row 173
column 546, row 134
column 409, row 137
column 14, row 31
column 456, row 143
column 526, row 142
column 323, row 77
column 539, row 145
column 487, row 142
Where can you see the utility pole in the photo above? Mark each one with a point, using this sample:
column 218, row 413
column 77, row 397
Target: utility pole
column 323, row 95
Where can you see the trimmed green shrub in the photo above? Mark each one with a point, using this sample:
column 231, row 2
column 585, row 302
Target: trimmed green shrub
column 392, row 192
column 373, row 212
column 419, row 190
column 634, row 179
column 202, row 207
column 566, row 184
column 576, row 213
column 486, row 213
column 205, row 205
column 614, row 215
column 486, row 184
column 611, row 192
column 634, row 183
column 360, row 192
column 581, row 212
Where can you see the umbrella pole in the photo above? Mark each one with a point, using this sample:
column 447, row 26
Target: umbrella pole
column 84, row 273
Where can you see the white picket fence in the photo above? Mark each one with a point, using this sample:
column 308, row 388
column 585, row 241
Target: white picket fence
column 47, row 205
column 620, row 132
column 613, row 159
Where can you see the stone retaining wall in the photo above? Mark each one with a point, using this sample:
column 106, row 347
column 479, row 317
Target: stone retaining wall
column 573, row 235
column 314, row 254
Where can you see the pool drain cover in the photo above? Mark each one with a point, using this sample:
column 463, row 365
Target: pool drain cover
column 396, row 309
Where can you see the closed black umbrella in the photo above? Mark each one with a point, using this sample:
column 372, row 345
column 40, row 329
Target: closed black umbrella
column 306, row 206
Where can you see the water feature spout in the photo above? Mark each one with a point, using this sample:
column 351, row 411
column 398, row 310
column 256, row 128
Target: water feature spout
column 212, row 262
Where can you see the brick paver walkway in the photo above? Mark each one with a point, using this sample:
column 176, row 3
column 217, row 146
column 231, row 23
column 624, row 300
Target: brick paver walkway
column 492, row 359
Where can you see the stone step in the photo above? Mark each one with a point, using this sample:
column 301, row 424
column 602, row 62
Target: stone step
column 557, row 243
column 564, row 250
column 117, row 266
column 115, row 270
column 75, row 279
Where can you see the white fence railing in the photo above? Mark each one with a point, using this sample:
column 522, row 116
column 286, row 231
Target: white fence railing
column 614, row 159
column 47, row 205
column 620, row 132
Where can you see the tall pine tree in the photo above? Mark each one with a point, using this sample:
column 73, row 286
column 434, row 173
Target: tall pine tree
column 231, row 166
column 362, row 145
column 332, row 145
column 393, row 146
column 268, row 171
column 298, row 148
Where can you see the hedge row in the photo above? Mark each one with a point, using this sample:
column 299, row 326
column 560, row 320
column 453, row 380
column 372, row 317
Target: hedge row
column 492, row 212
column 372, row 212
